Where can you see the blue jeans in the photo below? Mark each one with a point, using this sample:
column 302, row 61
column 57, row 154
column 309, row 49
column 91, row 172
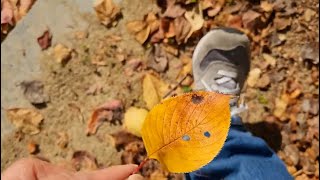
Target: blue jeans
column 243, row 156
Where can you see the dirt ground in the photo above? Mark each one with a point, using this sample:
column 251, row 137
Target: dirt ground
column 96, row 73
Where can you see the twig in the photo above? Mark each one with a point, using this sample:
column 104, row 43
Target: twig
column 176, row 86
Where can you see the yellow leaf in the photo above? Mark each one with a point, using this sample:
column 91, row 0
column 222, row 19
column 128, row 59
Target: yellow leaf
column 153, row 90
column 186, row 132
column 133, row 120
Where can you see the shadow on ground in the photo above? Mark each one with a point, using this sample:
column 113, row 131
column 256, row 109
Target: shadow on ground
column 270, row 132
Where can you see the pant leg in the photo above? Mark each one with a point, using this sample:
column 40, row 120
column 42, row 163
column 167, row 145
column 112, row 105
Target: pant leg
column 243, row 157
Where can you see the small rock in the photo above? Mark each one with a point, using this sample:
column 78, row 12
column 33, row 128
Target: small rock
column 34, row 92
column 308, row 14
column 253, row 77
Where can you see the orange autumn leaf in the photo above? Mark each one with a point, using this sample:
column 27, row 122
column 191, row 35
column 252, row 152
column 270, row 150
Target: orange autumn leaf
column 186, row 132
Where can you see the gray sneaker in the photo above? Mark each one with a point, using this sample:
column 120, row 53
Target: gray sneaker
column 221, row 63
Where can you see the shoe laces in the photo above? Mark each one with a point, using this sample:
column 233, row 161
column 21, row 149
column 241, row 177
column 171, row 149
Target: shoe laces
column 227, row 84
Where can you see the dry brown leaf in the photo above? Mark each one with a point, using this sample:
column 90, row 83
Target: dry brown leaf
column 27, row 120
column 281, row 106
column 152, row 22
column 157, row 59
column 170, row 31
column 6, row 13
column 269, row 59
column 266, row 6
column 34, row 92
column 61, row 53
column 105, row 112
column 235, row 21
column 282, row 23
column 136, row 26
column 123, row 138
column 153, row 90
column 182, row 29
column 44, row 40
column 253, row 77
column 82, row 160
column 133, row 120
column 195, row 18
column 264, row 81
column 174, row 10
column 143, row 35
column 106, row 11
column 250, row 19
column 24, row 7
column 216, row 8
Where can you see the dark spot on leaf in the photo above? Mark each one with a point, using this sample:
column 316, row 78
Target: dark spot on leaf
column 186, row 138
column 196, row 99
column 206, row 134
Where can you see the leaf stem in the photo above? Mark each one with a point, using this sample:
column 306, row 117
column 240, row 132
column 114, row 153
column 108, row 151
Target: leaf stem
column 140, row 166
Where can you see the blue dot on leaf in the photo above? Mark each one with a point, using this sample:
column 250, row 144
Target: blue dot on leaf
column 186, row 138
column 206, row 134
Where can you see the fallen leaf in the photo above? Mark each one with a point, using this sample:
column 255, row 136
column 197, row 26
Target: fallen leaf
column 171, row 49
column 250, row 19
column 310, row 51
column 281, row 107
column 214, row 10
column 105, row 112
column 106, row 11
column 32, row 147
column 269, row 59
column 174, row 10
column 186, row 132
column 136, row 26
column 195, row 18
column 264, row 81
column 235, row 21
column 26, row 120
column 25, row 6
column 6, row 12
column 61, row 53
column 308, row 14
column 123, row 138
column 153, row 90
column 182, row 29
column 133, row 120
column 282, row 23
column 157, row 59
column 143, row 35
column 266, row 6
column 253, row 77
column 34, row 92
column 152, row 22
column 187, row 66
column 82, row 160
column 134, row 153
column 44, row 40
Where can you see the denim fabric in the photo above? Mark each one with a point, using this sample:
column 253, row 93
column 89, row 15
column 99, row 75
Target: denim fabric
column 243, row 157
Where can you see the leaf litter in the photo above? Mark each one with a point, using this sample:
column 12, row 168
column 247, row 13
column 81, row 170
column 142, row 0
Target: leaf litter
column 279, row 32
